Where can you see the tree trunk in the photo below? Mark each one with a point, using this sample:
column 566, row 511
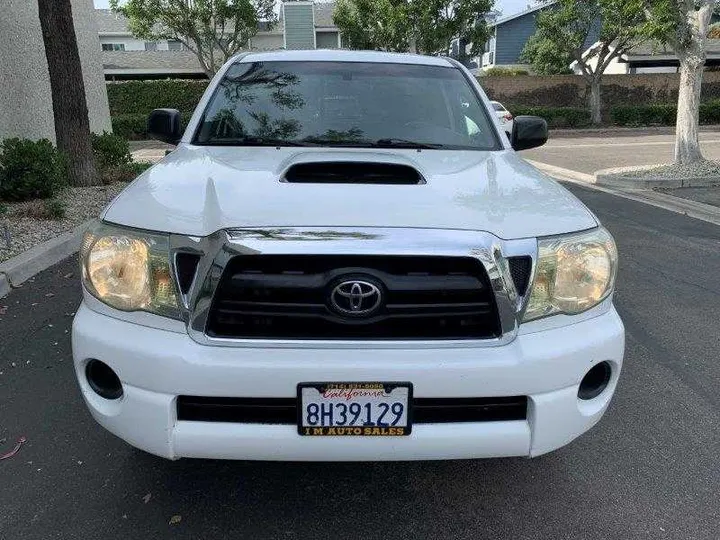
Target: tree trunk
column 691, row 54
column 687, row 142
column 595, row 102
column 72, row 127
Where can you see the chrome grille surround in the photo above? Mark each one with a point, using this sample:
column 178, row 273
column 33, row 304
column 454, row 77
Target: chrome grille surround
column 217, row 249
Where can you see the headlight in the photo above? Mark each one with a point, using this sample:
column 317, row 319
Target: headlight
column 129, row 270
column 573, row 274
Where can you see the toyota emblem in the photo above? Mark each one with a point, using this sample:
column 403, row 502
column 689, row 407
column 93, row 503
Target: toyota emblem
column 356, row 298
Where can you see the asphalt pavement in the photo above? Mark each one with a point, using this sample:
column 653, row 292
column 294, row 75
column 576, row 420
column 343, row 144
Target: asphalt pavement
column 650, row 469
column 588, row 153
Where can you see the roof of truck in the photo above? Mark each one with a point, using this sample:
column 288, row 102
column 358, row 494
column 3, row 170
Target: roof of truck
column 339, row 55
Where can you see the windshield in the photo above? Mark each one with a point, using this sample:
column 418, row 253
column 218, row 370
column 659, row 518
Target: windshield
column 346, row 104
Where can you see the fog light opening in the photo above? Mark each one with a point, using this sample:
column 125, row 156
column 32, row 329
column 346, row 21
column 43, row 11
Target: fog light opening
column 595, row 381
column 103, row 380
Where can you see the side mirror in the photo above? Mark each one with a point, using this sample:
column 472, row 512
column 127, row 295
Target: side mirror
column 528, row 132
column 164, row 125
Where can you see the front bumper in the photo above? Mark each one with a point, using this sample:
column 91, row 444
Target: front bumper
column 155, row 366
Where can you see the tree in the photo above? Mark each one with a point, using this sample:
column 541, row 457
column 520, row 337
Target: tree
column 214, row 30
column 374, row 24
column 438, row 22
column 683, row 24
column 426, row 26
column 70, row 112
column 564, row 31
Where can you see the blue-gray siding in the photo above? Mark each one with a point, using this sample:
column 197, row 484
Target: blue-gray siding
column 299, row 26
column 514, row 34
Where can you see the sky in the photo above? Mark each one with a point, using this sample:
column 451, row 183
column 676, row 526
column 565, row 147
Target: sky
column 508, row 6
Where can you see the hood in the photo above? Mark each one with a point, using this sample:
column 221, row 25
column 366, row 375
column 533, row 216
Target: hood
column 196, row 191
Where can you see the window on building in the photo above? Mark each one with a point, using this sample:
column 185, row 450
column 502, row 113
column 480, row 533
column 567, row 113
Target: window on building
column 151, row 46
column 326, row 40
column 113, row 46
column 175, row 45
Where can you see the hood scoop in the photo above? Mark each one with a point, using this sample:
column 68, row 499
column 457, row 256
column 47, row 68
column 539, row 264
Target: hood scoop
column 352, row 172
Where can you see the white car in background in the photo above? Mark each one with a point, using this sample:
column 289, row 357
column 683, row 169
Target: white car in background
column 505, row 116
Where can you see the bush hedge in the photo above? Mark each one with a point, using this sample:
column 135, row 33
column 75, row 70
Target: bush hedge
column 710, row 112
column 141, row 97
column 31, row 170
column 110, row 150
column 130, row 126
column 133, row 127
column 504, row 72
column 132, row 101
column 557, row 117
column 643, row 115
column 661, row 115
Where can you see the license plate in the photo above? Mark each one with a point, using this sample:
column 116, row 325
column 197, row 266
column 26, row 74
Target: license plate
column 367, row 409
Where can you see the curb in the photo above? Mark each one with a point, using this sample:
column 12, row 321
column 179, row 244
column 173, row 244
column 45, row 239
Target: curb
column 612, row 178
column 16, row 271
column 4, row 286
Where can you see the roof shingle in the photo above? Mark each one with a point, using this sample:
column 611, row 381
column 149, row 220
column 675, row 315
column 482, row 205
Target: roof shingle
column 324, row 14
column 109, row 22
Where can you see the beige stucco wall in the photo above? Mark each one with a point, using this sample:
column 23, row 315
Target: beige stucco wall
column 25, row 99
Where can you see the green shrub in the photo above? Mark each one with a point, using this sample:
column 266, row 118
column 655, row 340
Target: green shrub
column 111, row 150
column 661, row 115
column 54, row 208
column 557, row 117
column 504, row 72
column 644, row 115
column 3, row 209
column 710, row 112
column 31, row 170
column 40, row 209
column 141, row 97
column 132, row 127
column 125, row 173
column 139, row 167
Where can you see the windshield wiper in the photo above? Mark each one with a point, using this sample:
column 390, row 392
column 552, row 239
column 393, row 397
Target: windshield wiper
column 336, row 142
column 254, row 141
column 380, row 143
column 405, row 143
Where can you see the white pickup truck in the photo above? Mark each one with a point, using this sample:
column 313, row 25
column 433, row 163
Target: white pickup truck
column 345, row 259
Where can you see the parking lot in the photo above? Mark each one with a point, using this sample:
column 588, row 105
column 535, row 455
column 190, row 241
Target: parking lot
column 650, row 469
column 590, row 152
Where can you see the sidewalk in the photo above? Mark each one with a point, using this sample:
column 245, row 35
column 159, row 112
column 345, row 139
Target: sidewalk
column 150, row 151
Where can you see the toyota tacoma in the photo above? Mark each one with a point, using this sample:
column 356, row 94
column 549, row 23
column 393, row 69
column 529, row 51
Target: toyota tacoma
column 345, row 259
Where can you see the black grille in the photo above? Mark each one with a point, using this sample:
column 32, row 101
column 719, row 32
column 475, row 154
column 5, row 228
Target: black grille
column 288, row 297
column 186, row 264
column 284, row 410
column 520, row 269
